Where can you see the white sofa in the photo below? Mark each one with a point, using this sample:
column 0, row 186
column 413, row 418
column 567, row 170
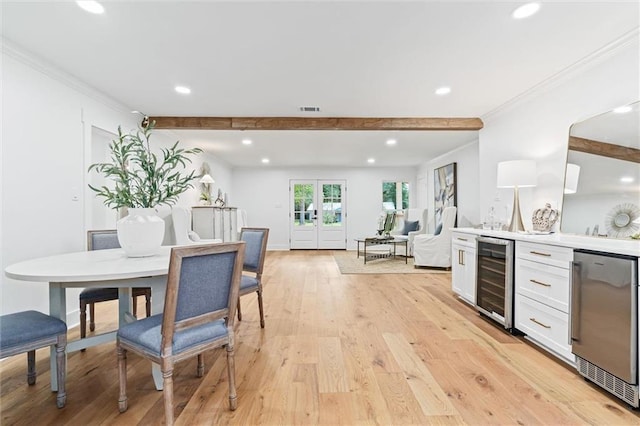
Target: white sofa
column 410, row 215
column 435, row 250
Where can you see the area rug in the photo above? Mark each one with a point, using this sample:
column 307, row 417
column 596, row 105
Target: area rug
column 349, row 263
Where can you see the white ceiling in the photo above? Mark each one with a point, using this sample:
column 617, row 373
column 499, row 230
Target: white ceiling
column 359, row 58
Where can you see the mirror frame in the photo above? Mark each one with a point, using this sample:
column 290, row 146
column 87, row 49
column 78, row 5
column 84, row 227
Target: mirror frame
column 609, row 150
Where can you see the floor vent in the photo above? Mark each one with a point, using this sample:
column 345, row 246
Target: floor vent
column 623, row 390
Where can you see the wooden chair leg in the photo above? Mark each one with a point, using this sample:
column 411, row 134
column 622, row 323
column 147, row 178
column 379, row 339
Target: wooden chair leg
column 92, row 316
column 167, row 390
column 61, row 361
column 135, row 306
column 231, row 369
column 83, row 319
column 148, row 303
column 31, row 367
column 239, row 311
column 260, row 307
column 122, row 375
column 200, row 371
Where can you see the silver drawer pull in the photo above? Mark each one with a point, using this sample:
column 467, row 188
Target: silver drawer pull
column 461, row 239
column 539, row 253
column 539, row 323
column 540, row 283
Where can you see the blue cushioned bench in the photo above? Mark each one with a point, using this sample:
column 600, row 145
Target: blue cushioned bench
column 30, row 330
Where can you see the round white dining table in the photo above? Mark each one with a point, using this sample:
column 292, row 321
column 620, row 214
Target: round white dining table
column 98, row 268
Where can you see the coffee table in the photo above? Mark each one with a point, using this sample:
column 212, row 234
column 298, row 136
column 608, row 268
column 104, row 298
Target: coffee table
column 374, row 241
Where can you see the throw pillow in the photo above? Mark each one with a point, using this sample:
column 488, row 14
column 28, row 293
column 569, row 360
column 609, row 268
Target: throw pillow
column 410, row 227
column 438, row 229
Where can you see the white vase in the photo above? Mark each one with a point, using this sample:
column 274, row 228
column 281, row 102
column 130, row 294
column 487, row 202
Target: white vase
column 141, row 232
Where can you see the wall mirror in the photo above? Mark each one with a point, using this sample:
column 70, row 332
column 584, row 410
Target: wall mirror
column 602, row 179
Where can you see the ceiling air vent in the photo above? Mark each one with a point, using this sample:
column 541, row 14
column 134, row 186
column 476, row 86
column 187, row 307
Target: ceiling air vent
column 310, row 109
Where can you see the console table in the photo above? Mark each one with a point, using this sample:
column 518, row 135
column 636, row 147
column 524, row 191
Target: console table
column 211, row 222
column 370, row 242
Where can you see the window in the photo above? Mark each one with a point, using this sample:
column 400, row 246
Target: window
column 395, row 195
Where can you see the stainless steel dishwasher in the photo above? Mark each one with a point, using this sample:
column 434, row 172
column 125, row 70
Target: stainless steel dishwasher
column 604, row 321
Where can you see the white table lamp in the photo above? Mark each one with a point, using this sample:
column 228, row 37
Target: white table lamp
column 516, row 174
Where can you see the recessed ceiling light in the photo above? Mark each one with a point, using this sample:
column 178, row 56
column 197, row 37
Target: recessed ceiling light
column 525, row 10
column 246, row 141
column 265, row 161
column 371, row 160
column 622, row 109
column 391, row 141
column 183, row 90
column 626, row 179
column 91, row 6
column 444, row 90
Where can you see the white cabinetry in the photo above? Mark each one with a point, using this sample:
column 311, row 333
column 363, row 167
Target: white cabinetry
column 542, row 295
column 463, row 266
column 215, row 222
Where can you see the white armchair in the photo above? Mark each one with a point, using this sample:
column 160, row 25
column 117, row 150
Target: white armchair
column 435, row 250
column 410, row 215
column 182, row 228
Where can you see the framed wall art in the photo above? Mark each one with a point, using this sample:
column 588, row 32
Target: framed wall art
column 444, row 190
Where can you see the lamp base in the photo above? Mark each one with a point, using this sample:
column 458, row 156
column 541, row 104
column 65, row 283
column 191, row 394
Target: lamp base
column 516, row 224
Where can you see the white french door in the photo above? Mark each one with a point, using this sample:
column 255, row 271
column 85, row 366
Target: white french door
column 317, row 214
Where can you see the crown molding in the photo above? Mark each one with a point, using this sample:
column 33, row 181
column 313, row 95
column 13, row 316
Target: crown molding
column 37, row 63
column 595, row 58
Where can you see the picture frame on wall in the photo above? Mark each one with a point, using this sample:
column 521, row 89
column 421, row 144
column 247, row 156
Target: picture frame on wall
column 444, row 190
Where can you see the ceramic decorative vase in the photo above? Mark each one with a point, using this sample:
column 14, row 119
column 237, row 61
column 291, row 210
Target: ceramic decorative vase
column 141, row 232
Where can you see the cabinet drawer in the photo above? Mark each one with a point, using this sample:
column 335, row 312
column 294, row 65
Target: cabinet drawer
column 463, row 240
column 544, row 325
column 544, row 283
column 545, row 253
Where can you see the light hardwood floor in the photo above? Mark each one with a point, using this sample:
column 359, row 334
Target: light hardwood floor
column 337, row 349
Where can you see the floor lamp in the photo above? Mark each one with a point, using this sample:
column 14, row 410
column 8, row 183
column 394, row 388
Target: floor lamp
column 516, row 174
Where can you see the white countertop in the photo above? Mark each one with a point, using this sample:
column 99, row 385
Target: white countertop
column 610, row 245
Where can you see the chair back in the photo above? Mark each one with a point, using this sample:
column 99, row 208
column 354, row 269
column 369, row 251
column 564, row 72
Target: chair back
column 417, row 214
column 102, row 240
column 448, row 221
column 202, row 286
column 181, row 225
column 256, row 240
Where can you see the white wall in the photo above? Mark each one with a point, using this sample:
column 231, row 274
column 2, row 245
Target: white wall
column 264, row 193
column 47, row 123
column 468, row 199
column 537, row 126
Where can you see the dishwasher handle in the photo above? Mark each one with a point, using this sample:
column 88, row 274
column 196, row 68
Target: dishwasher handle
column 575, row 284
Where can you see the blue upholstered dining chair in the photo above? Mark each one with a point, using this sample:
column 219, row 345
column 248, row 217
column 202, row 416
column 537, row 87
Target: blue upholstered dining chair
column 102, row 240
column 256, row 240
column 30, row 330
column 199, row 308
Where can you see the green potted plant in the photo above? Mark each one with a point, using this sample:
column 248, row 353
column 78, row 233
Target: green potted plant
column 143, row 180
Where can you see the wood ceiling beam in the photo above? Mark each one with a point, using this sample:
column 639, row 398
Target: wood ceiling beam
column 318, row 123
column 604, row 149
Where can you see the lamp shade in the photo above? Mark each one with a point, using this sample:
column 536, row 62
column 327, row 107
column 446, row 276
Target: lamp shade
column 571, row 178
column 516, row 173
column 207, row 179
